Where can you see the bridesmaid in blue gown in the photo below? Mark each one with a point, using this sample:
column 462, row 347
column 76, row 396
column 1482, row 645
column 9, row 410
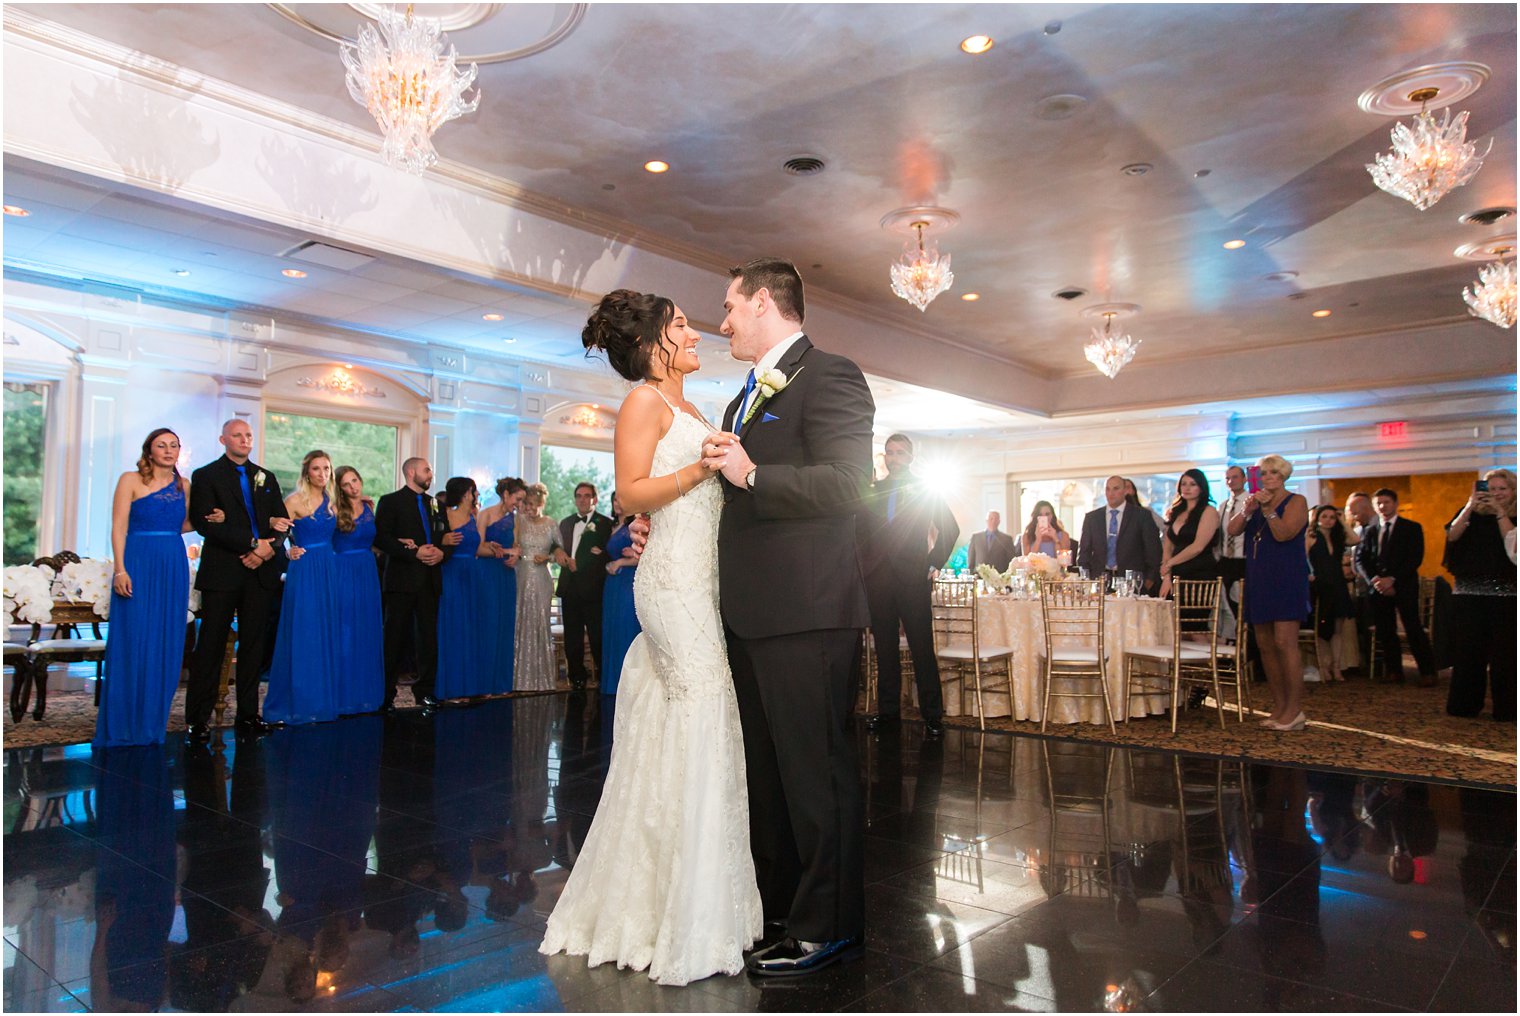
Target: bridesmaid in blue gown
column 467, row 609
column 497, row 523
column 360, row 680
column 620, row 624
column 149, row 597
column 303, row 675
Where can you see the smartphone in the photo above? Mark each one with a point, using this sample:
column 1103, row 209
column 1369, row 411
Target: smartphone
column 1481, row 486
column 1253, row 479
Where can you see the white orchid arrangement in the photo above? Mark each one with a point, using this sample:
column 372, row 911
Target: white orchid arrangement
column 769, row 383
column 29, row 593
column 87, row 581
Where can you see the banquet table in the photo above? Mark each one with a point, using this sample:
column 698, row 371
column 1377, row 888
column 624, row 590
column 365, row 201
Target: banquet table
column 1005, row 620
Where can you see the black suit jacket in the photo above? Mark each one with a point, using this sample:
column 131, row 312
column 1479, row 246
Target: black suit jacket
column 590, row 575
column 787, row 559
column 397, row 519
column 216, row 485
column 1139, row 546
column 1400, row 559
column 901, row 546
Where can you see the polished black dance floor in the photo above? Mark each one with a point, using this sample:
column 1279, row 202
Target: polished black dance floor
column 409, row 864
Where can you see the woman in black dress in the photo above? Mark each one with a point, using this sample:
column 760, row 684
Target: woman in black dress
column 1192, row 523
column 1330, row 595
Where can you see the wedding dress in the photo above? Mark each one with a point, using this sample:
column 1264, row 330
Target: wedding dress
column 665, row 880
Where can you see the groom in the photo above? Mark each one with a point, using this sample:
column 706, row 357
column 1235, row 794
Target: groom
column 795, row 456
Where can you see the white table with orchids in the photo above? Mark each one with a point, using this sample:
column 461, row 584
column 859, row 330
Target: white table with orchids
column 1009, row 614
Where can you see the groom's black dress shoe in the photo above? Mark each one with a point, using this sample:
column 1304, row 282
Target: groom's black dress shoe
column 197, row 737
column 252, row 728
column 883, row 723
column 793, row 958
column 773, row 932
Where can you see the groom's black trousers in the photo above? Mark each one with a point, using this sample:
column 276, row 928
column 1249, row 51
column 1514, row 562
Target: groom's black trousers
column 796, row 698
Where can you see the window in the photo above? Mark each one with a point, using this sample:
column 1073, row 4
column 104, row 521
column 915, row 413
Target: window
column 368, row 447
column 26, row 407
column 561, row 468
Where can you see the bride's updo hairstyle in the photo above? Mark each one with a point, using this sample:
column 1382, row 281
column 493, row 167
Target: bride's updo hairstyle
column 629, row 327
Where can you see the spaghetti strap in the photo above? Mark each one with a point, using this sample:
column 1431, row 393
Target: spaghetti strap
column 676, row 410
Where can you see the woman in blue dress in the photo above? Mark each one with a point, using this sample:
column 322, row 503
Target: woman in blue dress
column 467, row 609
column 1277, row 585
column 303, row 675
column 620, row 625
column 360, row 679
column 497, row 529
column 149, row 597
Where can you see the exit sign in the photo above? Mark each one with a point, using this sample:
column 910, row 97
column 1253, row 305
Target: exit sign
column 1394, row 428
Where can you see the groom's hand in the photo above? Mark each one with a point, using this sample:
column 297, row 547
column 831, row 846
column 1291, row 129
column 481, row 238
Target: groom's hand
column 725, row 453
column 638, row 532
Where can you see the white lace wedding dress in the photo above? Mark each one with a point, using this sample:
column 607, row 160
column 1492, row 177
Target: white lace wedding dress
column 665, row 880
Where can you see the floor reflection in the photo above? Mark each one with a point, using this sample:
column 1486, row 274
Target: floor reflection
column 410, row 863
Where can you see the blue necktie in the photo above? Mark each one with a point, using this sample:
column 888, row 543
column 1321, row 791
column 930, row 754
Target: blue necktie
column 749, row 388
column 891, row 503
column 253, row 522
column 1113, row 538
column 427, row 524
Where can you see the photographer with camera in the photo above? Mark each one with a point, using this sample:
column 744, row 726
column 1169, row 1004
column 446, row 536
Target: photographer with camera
column 1484, row 618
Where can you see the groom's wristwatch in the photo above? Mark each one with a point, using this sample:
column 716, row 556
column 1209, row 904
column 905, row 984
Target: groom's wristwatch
column 749, row 479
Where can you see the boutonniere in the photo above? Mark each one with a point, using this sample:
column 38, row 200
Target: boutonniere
column 258, row 478
column 768, row 385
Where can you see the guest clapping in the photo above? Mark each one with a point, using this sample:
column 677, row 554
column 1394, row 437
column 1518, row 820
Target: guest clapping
column 1045, row 534
column 620, row 623
column 497, row 524
column 149, row 593
column 303, row 677
column 1277, row 585
column 1192, row 523
column 1484, row 616
column 466, row 636
column 361, row 675
column 1331, row 595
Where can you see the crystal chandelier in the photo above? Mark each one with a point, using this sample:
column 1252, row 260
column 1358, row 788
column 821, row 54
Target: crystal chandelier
column 1429, row 159
column 1109, row 352
column 921, row 273
column 409, row 84
column 1493, row 297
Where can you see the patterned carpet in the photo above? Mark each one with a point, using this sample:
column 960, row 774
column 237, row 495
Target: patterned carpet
column 1356, row 726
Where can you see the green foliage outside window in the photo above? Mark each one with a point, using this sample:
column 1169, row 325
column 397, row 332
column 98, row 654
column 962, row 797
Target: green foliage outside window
column 560, row 469
column 368, row 447
column 25, row 433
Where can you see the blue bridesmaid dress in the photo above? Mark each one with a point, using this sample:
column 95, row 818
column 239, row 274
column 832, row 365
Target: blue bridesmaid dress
column 145, row 642
column 505, row 621
column 303, row 677
column 620, row 624
column 466, row 638
column 360, row 678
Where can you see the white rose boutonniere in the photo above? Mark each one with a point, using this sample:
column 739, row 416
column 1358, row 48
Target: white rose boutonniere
column 258, row 478
column 769, row 384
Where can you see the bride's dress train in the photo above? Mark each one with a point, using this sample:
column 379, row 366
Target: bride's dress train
column 665, row 880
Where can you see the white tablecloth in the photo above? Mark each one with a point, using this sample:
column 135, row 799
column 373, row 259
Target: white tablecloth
column 1006, row 621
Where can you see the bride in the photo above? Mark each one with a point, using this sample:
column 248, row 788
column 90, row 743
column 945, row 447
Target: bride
column 665, row 880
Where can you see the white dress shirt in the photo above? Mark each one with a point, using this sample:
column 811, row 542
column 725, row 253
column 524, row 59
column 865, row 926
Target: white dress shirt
column 1234, row 546
column 765, row 363
column 576, row 534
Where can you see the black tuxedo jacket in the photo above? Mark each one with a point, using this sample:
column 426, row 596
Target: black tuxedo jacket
column 397, row 519
column 590, row 575
column 216, row 485
column 787, row 558
column 901, row 546
column 1400, row 559
column 1139, row 547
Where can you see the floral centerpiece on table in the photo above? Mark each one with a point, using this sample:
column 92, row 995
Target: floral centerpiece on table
column 87, row 581
column 992, row 578
column 1041, row 566
column 29, row 593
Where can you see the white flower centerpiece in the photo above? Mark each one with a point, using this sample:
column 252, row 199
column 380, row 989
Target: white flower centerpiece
column 87, row 581
column 29, row 593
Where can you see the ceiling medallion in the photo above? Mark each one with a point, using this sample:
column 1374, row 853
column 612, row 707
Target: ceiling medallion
column 409, row 84
column 1429, row 159
column 1107, row 351
column 921, row 273
column 1492, row 297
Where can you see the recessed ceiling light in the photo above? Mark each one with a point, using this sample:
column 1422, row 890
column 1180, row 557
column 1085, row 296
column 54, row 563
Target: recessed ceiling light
column 971, row 297
column 182, row 272
column 1200, row 174
column 1321, row 313
column 293, row 273
column 348, row 366
column 509, row 341
column 1234, row 244
column 490, row 317
column 976, row 44
column 656, row 166
column 17, row 211
column 1136, row 169
column 609, row 186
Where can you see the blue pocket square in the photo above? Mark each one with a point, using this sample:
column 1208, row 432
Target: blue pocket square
column 768, row 417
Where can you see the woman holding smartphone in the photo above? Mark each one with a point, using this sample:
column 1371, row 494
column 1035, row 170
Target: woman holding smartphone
column 1045, row 534
column 1484, row 614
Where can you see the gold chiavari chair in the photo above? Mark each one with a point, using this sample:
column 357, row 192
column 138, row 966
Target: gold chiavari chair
column 1232, row 663
column 1072, row 612
column 1190, row 658
column 958, row 644
column 1081, row 852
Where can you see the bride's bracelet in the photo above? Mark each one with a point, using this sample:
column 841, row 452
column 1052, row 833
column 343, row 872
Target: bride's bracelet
column 679, row 491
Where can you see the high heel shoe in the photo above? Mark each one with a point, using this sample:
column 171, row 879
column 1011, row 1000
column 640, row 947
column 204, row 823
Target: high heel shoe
column 1297, row 723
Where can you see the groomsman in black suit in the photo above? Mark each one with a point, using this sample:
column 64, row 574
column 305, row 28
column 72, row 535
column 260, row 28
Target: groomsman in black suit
column 414, row 537
column 584, row 535
column 242, row 560
column 1388, row 558
column 902, row 515
column 1120, row 537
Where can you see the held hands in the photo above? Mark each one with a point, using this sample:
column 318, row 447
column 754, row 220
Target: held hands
column 429, row 554
column 1383, row 584
column 638, row 531
column 294, row 553
column 723, row 453
column 511, row 556
column 408, row 543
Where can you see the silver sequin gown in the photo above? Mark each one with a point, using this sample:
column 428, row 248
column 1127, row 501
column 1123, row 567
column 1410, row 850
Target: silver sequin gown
column 533, row 664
